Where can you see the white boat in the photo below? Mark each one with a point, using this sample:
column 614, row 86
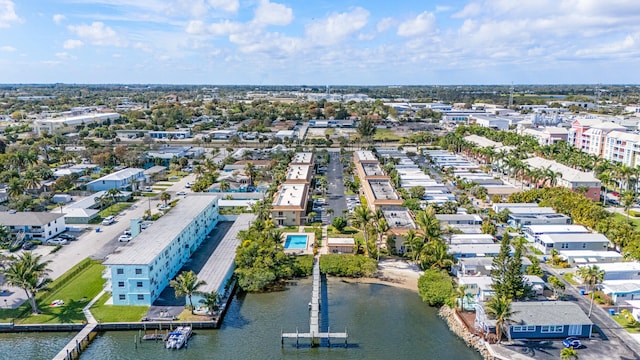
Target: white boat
column 178, row 338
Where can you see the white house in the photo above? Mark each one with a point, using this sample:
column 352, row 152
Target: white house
column 29, row 225
column 596, row 242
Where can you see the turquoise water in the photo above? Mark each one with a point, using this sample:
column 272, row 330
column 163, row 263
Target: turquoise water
column 296, row 242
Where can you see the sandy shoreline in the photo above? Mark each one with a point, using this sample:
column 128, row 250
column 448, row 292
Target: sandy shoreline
column 396, row 273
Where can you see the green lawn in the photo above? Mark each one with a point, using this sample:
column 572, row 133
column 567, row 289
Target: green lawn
column 149, row 194
column 570, row 279
column 632, row 328
column 386, row 135
column 76, row 293
column 290, row 228
column 633, row 220
column 346, row 232
column 116, row 313
column 114, row 209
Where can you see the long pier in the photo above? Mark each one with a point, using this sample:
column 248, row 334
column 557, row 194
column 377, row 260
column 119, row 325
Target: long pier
column 314, row 334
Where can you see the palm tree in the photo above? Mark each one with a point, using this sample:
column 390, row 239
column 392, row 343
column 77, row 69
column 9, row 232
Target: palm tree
column 251, row 171
column 569, row 353
column 413, row 245
column 30, row 179
column 361, row 218
column 591, row 276
column 224, row 186
column 605, row 179
column 499, row 308
column 165, row 196
column 187, row 284
column 211, row 301
column 15, row 188
column 435, row 256
column 29, row 273
column 113, row 194
column 461, row 294
column 627, row 199
column 428, row 224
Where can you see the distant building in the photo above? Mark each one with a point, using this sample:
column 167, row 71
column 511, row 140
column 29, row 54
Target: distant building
column 52, row 124
column 172, row 134
column 572, row 179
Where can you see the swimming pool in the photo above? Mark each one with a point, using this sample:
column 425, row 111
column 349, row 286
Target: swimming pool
column 296, row 242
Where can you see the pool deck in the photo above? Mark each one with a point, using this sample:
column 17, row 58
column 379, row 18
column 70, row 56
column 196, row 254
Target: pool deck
column 311, row 237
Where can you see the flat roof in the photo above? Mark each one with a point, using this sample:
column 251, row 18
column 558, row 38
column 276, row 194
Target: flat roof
column 522, row 210
column 372, row 169
column 340, row 241
column 447, row 217
column 548, row 313
column 298, row 172
column 302, row 158
column 292, row 195
column 590, row 253
column 573, row 238
column 151, row 242
column 619, row 266
column 383, row 190
column 460, row 239
column 28, row 218
column 538, row 216
column 215, row 270
column 557, row 229
column 398, row 218
column 366, row 155
column 475, row 248
column 120, row 175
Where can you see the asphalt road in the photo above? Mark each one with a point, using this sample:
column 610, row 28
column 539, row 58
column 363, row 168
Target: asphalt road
column 614, row 342
column 335, row 187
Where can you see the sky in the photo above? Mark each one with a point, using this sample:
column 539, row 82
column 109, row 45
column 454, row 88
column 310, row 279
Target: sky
column 320, row 42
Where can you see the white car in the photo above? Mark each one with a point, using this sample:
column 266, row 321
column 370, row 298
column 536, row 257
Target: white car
column 181, row 193
column 56, row 241
column 124, row 238
column 164, row 207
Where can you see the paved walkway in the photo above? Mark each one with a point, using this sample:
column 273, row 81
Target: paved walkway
column 87, row 312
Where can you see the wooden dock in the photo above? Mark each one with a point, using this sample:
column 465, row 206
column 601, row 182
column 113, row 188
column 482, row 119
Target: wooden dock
column 79, row 342
column 314, row 335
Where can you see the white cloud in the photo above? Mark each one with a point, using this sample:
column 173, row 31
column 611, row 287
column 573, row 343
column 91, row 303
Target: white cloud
column 7, row 48
column 98, row 34
column 58, row 18
column 65, row 55
column 224, row 27
column 469, row 10
column 230, row 6
column 385, row 24
column 8, row 14
column 268, row 13
column 421, row 24
column 443, row 8
column 336, row 27
column 73, row 44
column 195, row 27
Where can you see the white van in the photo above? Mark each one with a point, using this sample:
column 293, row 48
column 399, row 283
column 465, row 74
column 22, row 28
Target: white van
column 108, row 220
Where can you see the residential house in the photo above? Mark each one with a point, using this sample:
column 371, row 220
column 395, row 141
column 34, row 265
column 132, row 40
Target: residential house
column 620, row 291
column 533, row 232
column 122, row 179
column 341, row 245
column 40, row 226
column 568, row 242
column 570, row 178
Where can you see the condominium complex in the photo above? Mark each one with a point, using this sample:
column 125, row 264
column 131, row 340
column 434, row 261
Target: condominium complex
column 140, row 270
column 289, row 205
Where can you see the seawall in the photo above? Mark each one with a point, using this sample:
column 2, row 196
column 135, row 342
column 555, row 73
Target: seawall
column 458, row 327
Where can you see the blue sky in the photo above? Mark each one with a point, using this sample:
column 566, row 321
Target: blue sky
column 320, row 41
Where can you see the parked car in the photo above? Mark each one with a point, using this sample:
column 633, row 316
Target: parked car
column 164, row 207
column 124, row 238
column 108, row 220
column 188, row 185
column 127, row 232
column 572, row 342
column 181, row 193
column 67, row 237
column 29, row 245
column 147, row 189
column 144, row 225
column 56, row 241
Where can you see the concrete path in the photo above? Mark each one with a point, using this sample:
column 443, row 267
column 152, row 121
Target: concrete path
column 87, row 312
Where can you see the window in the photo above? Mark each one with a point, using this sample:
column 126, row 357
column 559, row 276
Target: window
column 552, row 329
column 138, row 271
column 119, row 271
column 528, row 328
column 120, row 283
column 140, row 297
column 122, row 297
column 139, row 284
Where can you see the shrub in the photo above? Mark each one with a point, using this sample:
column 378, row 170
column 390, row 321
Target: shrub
column 435, row 287
column 348, row 265
column 302, row 265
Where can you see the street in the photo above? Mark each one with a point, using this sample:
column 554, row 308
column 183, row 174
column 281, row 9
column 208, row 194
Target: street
column 335, row 187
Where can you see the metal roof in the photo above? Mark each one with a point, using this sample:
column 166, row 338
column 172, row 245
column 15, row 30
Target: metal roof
column 547, row 313
column 28, row 218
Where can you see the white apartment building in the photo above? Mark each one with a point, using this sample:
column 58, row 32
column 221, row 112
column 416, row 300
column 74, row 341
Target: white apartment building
column 622, row 147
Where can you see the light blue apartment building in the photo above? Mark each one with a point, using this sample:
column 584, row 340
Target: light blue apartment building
column 139, row 271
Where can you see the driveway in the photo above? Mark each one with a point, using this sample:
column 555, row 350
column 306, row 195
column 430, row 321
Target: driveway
column 335, row 188
column 614, row 341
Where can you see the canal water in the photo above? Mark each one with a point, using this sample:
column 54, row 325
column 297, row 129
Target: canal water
column 383, row 323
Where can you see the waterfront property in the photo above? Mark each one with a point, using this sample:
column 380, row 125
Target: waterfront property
column 121, row 179
column 290, row 204
column 540, row 320
column 475, row 250
column 481, row 287
column 595, row 242
column 40, row 226
column 480, row 266
column 298, row 242
column 341, row 245
column 139, row 271
column 219, row 268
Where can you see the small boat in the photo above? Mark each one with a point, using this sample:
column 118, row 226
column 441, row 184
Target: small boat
column 178, row 338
